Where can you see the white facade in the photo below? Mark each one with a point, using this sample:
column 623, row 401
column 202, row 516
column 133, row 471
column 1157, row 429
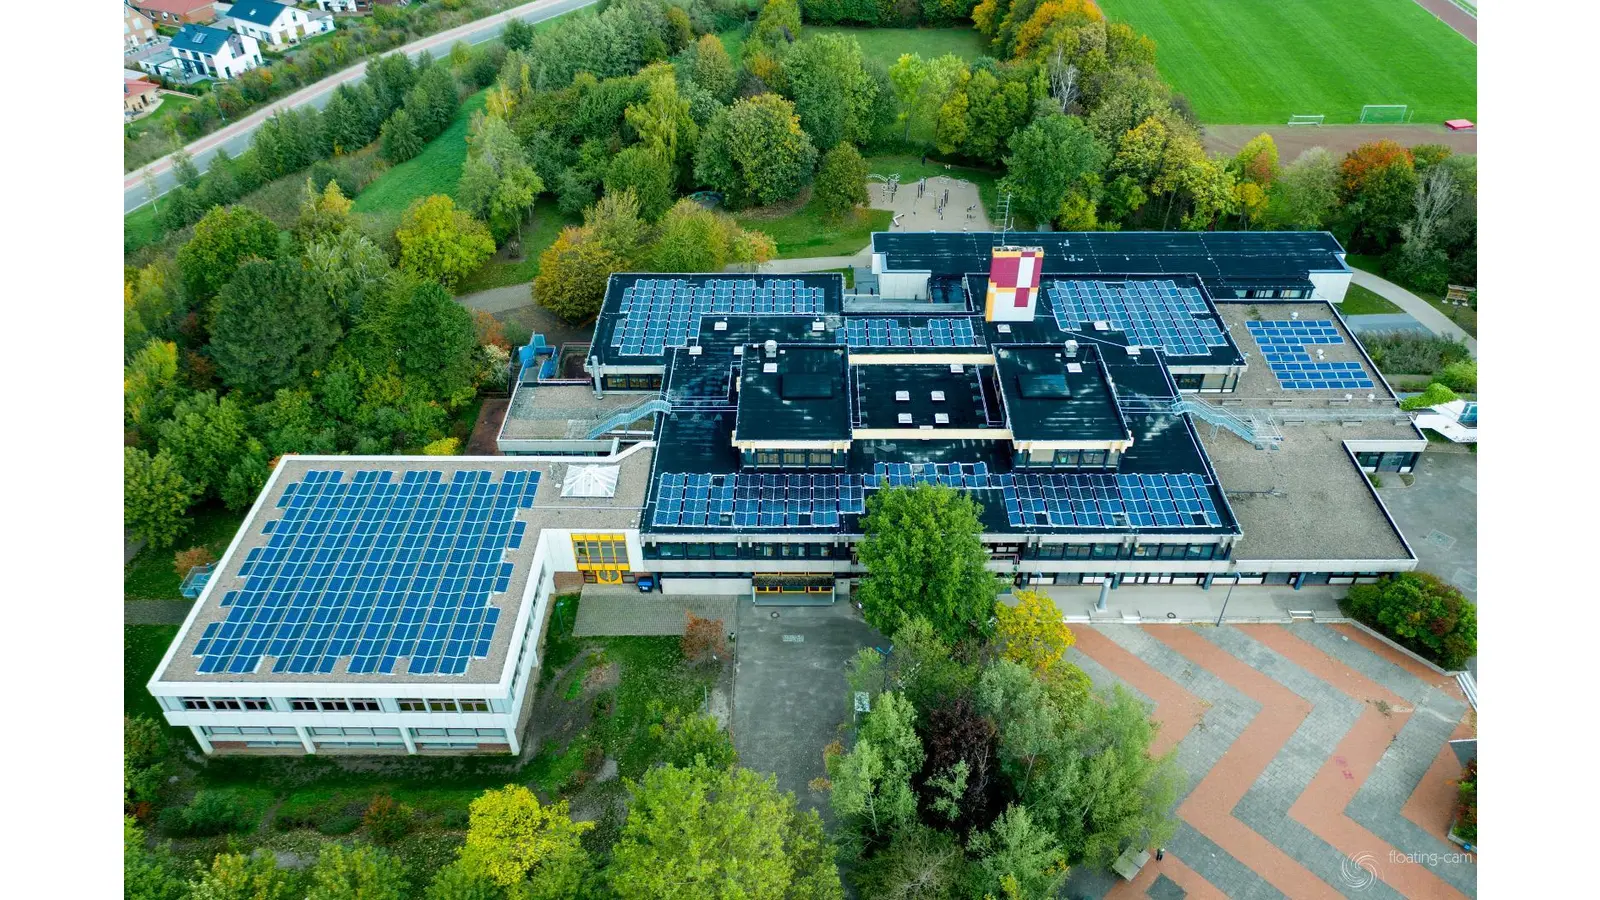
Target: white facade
column 288, row 28
column 346, row 6
column 137, row 29
column 233, row 58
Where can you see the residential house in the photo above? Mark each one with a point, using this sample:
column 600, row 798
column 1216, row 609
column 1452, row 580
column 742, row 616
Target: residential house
column 216, row 53
column 273, row 24
column 137, row 29
column 177, row 12
column 344, row 6
column 137, row 95
column 319, row 21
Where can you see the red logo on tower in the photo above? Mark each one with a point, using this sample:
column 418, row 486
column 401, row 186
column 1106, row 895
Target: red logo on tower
column 1013, row 284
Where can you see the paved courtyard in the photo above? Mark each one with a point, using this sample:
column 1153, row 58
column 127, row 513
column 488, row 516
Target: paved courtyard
column 789, row 692
column 1318, row 762
column 1438, row 514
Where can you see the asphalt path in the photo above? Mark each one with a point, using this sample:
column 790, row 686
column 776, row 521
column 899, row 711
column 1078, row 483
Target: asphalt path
column 235, row 138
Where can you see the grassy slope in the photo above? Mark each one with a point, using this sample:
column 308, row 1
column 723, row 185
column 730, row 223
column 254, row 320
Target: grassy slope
column 804, row 232
column 536, row 237
column 887, row 44
column 435, row 170
column 1358, row 301
column 1261, row 61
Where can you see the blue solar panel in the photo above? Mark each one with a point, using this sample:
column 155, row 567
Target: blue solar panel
column 1152, row 313
column 657, row 313
column 1284, row 349
column 374, row 571
column 953, row 331
column 1051, row 500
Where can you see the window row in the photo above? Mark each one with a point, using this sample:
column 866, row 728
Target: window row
column 1126, row 551
column 355, row 732
column 631, row 383
column 227, row 704
column 460, row 732
column 795, row 459
column 732, row 550
column 437, row 704
column 1073, row 459
column 333, row 704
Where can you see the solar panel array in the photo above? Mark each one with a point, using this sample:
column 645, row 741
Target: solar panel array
column 1110, row 501
column 749, row 500
column 1049, row 499
column 657, row 313
column 1153, row 313
column 374, row 570
column 946, row 332
column 1283, row 347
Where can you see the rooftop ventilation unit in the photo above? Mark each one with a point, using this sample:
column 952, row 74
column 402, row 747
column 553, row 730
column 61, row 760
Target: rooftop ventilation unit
column 772, row 348
column 904, row 418
column 1003, row 328
column 902, row 396
column 1102, row 325
column 1075, row 368
column 739, row 350
column 719, row 326
column 941, row 418
column 955, row 368
column 1133, row 349
column 816, row 326
column 1294, row 315
column 695, row 350
column 769, row 367
column 938, row 396
column 1072, row 348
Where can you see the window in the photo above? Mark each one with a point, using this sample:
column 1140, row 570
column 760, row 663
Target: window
column 437, row 705
column 366, row 705
column 1105, row 551
column 227, row 703
column 492, row 732
column 474, row 705
column 461, row 732
column 794, row 458
column 411, row 704
column 605, row 555
column 302, row 704
column 257, row 703
column 334, row 706
column 822, row 457
column 699, row 551
column 725, row 550
column 195, row 703
column 428, row 732
column 768, row 458
column 1093, row 458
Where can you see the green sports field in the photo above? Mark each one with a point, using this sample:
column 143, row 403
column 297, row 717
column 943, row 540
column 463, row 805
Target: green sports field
column 1258, row 62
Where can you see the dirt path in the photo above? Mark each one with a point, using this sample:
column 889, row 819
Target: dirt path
column 490, row 417
column 1338, row 139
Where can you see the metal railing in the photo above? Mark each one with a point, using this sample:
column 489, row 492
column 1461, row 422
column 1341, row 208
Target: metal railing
column 630, row 415
column 1250, row 425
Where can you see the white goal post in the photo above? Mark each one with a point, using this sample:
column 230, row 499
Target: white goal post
column 1385, row 114
column 1305, row 120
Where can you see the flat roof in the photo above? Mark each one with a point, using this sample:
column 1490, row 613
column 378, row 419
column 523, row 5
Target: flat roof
column 1050, row 396
column 334, row 605
column 798, row 393
column 551, row 412
column 1219, row 256
column 644, row 315
column 1308, row 499
column 925, row 392
column 1259, row 385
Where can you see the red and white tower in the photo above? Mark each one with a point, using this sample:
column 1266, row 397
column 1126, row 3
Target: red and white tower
column 1013, row 284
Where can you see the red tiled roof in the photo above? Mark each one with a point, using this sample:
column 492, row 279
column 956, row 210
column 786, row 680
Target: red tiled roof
column 176, row 7
column 136, row 86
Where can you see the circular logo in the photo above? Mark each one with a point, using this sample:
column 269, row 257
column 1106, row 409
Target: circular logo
column 1359, row 871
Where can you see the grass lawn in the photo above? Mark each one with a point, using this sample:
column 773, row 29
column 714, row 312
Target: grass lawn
column 142, row 649
column 1464, row 316
column 150, row 576
column 1358, row 301
column 1262, row 61
column 733, row 41
column 887, row 44
column 499, row 272
column 435, row 170
column 804, row 232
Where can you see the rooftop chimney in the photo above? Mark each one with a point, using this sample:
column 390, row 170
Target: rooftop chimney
column 772, row 348
column 1013, row 284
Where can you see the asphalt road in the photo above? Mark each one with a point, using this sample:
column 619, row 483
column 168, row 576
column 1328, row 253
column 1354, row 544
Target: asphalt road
column 235, row 138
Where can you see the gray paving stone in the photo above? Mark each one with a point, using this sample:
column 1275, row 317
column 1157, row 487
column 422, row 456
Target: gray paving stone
column 1217, row 866
column 1377, row 805
column 1102, row 679
column 1164, row 888
column 1362, row 660
column 613, row 613
column 1265, row 806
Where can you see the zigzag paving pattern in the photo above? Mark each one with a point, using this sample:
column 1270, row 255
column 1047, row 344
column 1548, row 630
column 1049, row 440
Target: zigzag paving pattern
column 1316, row 758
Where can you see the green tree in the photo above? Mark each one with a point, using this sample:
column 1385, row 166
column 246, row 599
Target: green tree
column 348, row 269
column 712, row 69
column 441, row 243
column 433, row 340
column 144, row 759
column 688, row 741
column 647, row 171
column 691, row 238
column 1015, row 850
column 919, row 863
column 1032, row 632
column 523, row 844
column 205, row 438
column 461, row 882
column 924, row 556
column 223, row 239
column 833, row 95
column 148, row 874
column 362, row 873
column 841, row 182
column 400, row 140
column 871, row 785
column 700, row 832
column 498, row 184
column 924, row 667
column 1305, row 194
column 155, row 497
column 271, row 329
column 149, row 384
column 1378, row 186
column 234, row 876
column 755, row 152
column 322, row 214
column 572, row 275
column 1049, row 160
column 1421, row 612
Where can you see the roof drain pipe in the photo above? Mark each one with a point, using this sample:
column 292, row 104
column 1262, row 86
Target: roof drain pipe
column 594, row 373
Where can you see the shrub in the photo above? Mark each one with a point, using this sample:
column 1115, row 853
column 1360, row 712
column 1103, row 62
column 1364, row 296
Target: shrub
column 703, row 640
column 1460, row 376
column 445, row 446
column 185, row 560
column 1435, row 395
column 1422, row 613
column 211, row 812
column 341, row 824
column 144, row 760
column 693, row 739
column 1467, row 805
column 1409, row 353
column 386, row 820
